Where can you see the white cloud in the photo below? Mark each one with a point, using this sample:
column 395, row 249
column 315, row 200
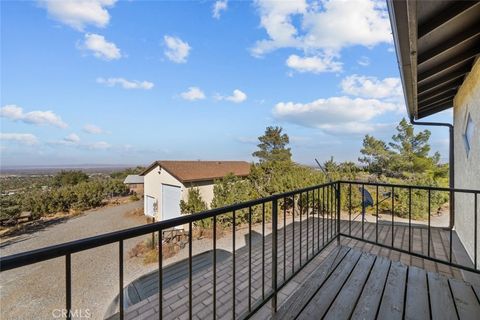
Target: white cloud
column 364, row 61
column 335, row 114
column 101, row 145
column 314, row 64
column 372, row 87
column 16, row 113
column 192, row 94
column 92, row 129
column 79, row 13
column 326, row 26
column 218, row 7
column 23, row 138
column 126, row 84
column 237, row 96
column 100, row 47
column 72, row 138
column 177, row 50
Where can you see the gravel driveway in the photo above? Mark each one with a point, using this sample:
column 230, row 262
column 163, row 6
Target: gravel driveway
column 37, row 291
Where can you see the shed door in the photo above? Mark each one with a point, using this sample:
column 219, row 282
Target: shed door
column 171, row 196
column 150, row 209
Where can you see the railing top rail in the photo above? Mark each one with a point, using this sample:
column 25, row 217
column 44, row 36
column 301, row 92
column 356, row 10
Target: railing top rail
column 383, row 184
column 55, row 251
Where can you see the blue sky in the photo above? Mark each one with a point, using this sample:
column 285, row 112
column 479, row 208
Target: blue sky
column 129, row 82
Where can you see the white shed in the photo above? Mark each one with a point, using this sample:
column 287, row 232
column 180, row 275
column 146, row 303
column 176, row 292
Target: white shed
column 167, row 182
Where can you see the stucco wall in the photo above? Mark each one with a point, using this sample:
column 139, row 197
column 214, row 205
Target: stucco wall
column 153, row 187
column 467, row 166
column 205, row 188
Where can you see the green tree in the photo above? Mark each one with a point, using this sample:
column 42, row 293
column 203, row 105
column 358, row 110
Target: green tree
column 194, row 202
column 376, row 155
column 273, row 146
column 69, row 177
column 412, row 150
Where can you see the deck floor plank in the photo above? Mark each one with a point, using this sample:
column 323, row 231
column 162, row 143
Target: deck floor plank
column 465, row 300
column 371, row 295
column 295, row 304
column 392, row 303
column 441, row 300
column 322, row 300
column 416, row 304
column 342, row 307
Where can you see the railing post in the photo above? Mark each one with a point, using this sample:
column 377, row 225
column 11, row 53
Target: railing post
column 338, row 212
column 274, row 253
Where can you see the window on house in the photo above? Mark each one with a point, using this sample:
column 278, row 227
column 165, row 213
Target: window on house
column 468, row 134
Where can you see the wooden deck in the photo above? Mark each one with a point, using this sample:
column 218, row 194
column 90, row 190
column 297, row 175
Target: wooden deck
column 297, row 243
column 415, row 239
column 351, row 284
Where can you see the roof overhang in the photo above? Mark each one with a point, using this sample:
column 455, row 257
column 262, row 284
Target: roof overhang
column 436, row 43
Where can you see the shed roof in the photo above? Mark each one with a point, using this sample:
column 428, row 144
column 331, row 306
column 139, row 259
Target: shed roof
column 437, row 43
column 133, row 179
column 193, row 171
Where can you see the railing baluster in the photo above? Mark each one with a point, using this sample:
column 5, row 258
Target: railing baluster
column 308, row 228
column 68, row 284
column 339, row 209
column 318, row 219
column 190, row 295
column 120, row 277
column 313, row 222
column 363, row 209
column 409, row 219
column 160, row 274
column 293, row 235
column 249, row 259
column 452, row 219
column 429, row 211
column 376, row 217
column 233, row 265
column 284, row 239
column 274, row 252
column 331, row 211
column 301, row 229
column 350, row 209
column 263, row 251
column 323, row 216
column 327, row 209
column 214, row 267
column 393, row 212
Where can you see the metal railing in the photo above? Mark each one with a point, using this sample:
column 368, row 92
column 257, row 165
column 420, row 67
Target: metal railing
column 401, row 204
column 309, row 217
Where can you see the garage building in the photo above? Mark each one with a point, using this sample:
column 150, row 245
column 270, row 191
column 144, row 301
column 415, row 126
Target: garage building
column 167, row 182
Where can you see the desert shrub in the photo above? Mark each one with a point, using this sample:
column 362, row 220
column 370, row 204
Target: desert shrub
column 195, row 204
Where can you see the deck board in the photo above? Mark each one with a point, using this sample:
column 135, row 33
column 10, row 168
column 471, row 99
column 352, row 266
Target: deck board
column 342, row 307
column 321, row 301
column 417, row 305
column 441, row 299
column 369, row 300
column 294, row 305
column 465, row 300
column 392, row 303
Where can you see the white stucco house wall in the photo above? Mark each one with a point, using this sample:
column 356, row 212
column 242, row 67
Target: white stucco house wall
column 466, row 121
column 166, row 183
